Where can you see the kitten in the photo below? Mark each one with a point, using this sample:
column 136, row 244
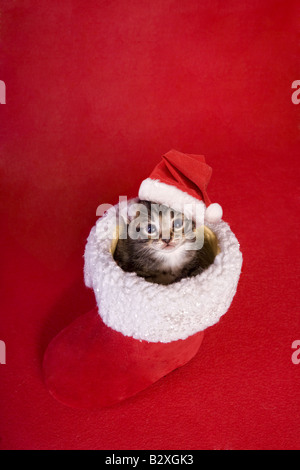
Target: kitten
column 158, row 252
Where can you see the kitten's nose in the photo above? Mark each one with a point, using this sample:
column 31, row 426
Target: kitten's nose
column 166, row 240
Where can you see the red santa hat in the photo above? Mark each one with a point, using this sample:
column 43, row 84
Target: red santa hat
column 140, row 331
column 180, row 181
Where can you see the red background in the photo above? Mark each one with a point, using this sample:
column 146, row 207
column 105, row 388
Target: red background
column 96, row 92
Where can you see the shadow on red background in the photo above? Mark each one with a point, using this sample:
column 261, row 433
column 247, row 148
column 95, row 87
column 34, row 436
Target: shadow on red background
column 96, row 93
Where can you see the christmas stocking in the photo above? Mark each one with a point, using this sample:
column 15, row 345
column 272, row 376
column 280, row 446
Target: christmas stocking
column 140, row 331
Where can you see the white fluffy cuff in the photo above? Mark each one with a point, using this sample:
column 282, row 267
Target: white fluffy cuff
column 153, row 312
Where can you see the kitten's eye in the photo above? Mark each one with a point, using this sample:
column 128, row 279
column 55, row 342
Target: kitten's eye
column 151, row 229
column 178, row 224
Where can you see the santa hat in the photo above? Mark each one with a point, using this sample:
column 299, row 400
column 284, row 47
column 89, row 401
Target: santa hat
column 140, row 331
column 180, row 181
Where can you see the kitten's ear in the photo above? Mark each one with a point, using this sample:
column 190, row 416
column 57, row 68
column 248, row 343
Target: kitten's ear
column 135, row 208
column 125, row 211
column 129, row 215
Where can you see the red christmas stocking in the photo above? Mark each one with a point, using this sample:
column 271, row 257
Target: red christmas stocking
column 141, row 331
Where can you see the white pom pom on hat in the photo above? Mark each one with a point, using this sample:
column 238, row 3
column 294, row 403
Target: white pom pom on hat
column 213, row 213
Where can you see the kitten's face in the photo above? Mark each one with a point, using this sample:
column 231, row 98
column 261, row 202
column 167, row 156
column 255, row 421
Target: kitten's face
column 159, row 244
column 164, row 232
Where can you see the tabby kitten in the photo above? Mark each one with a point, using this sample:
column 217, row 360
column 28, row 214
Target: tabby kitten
column 161, row 248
